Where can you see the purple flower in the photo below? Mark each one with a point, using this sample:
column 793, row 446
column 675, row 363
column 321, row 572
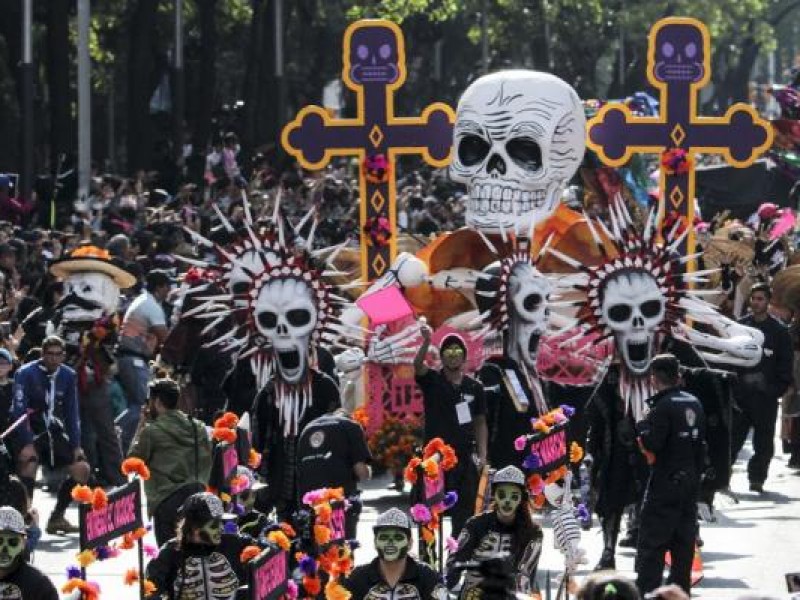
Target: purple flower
column 420, row 513
column 103, row 553
column 230, row 527
column 238, row 508
column 450, row 499
column 308, row 566
column 583, row 512
column 73, row 572
column 567, row 410
column 354, row 544
column 531, row 462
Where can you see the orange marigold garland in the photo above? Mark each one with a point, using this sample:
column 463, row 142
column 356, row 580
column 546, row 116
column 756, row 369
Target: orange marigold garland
column 395, row 442
column 249, row 553
column 135, row 466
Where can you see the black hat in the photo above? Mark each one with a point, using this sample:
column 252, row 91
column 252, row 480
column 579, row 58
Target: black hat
column 202, row 507
column 157, row 278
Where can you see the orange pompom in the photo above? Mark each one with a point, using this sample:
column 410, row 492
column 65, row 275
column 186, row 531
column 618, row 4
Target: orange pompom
column 312, row 585
column 131, row 576
column 254, row 459
column 99, row 498
column 127, row 542
column 138, row 534
column 89, row 591
column 427, row 535
column 279, row 538
column 224, row 435
column 149, row 587
column 82, row 494
column 227, row 421
column 335, row 591
column 324, row 513
column 410, row 473
column 135, row 466
column 541, row 426
column 86, row 558
column 430, row 468
column 288, row 530
column 575, row 453
column 322, row 534
column 249, row 553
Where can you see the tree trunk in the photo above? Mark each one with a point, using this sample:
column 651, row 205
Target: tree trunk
column 58, row 71
column 140, row 89
column 255, row 73
column 12, row 33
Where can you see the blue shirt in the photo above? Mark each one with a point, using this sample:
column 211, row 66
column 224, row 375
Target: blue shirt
column 46, row 396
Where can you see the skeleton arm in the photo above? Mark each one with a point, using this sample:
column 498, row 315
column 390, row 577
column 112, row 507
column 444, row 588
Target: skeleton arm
column 735, row 344
column 528, row 564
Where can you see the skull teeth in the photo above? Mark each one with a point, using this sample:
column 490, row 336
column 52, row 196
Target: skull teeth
column 488, row 198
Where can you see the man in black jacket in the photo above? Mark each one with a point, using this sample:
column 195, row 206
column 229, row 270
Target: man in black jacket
column 761, row 387
column 672, row 438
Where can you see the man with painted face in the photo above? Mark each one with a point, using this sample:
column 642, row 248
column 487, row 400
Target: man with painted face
column 454, row 411
column 507, row 532
column 18, row 579
column 394, row 574
column 202, row 561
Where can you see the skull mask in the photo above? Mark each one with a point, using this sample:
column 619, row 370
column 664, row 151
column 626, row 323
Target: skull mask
column 519, row 138
column 391, row 543
column 286, row 314
column 507, row 498
column 632, row 308
column 373, row 56
column 11, row 547
column 679, row 54
column 89, row 296
column 529, row 292
column 210, row 533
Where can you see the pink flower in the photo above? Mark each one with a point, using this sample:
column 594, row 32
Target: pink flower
column 519, row 443
column 150, row 550
column 451, row 544
column 312, row 497
column 291, row 589
column 559, row 417
column 420, row 513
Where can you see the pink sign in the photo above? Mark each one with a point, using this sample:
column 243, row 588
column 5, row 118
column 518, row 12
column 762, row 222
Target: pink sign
column 337, row 522
column 268, row 575
column 551, row 450
column 123, row 514
column 434, row 489
column 385, row 306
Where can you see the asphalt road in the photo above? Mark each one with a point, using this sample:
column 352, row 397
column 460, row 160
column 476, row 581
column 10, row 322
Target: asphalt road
column 751, row 546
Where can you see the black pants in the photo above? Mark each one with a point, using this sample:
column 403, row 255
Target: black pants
column 760, row 414
column 165, row 516
column 464, row 480
column 98, row 435
column 668, row 522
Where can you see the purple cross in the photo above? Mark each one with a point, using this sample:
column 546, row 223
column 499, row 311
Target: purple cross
column 678, row 65
column 374, row 68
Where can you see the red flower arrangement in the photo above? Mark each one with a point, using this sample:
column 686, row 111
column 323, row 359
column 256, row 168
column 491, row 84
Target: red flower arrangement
column 376, row 168
column 378, row 230
column 676, row 161
column 392, row 445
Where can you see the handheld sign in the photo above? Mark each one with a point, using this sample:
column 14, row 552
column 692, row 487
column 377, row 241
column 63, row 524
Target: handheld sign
column 122, row 515
column 338, row 532
column 269, row 575
column 385, row 306
column 223, row 466
column 550, row 449
column 433, row 488
column 678, row 65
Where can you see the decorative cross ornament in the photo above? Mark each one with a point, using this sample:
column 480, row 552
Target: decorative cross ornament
column 678, row 65
column 374, row 67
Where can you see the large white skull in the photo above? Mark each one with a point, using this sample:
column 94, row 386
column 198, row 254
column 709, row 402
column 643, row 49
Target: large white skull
column 528, row 295
column 632, row 307
column 286, row 314
column 89, row 296
column 519, row 138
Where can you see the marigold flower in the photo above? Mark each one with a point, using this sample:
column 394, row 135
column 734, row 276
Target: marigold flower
column 99, row 498
column 322, row 534
column 279, row 538
column 312, row 585
column 86, row 558
column 228, row 420
column 149, row 587
column 335, row 591
column 131, row 576
column 223, row 435
column 431, row 468
column 254, row 459
column 575, row 453
column 135, row 466
column 288, row 530
column 249, row 553
column 82, row 494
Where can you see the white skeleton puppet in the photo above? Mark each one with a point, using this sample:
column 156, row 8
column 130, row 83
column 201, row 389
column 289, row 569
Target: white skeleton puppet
column 566, row 529
column 639, row 294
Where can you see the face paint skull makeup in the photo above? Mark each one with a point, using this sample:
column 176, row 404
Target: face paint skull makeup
column 507, row 497
column 391, row 543
column 210, row 533
column 11, row 547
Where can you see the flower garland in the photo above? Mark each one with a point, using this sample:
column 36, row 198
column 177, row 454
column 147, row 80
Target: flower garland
column 437, row 458
column 279, row 536
column 335, row 559
column 393, row 444
column 378, row 231
column 546, row 469
column 376, row 168
column 676, row 161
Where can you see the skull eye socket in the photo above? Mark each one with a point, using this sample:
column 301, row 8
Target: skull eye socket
column 525, row 153
column 268, row 319
column 690, row 50
column 667, row 49
column 298, row 317
column 87, row 289
column 362, row 51
column 620, row 313
column 532, row 301
column 240, row 288
column 651, row 308
column 385, row 50
column 472, row 149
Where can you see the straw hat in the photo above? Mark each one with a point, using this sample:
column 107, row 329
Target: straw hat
column 92, row 259
column 786, row 288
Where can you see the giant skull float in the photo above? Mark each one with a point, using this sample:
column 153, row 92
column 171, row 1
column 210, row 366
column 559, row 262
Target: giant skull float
column 519, row 138
column 640, row 293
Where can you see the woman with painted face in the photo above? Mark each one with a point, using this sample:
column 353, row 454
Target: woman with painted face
column 506, row 532
column 202, row 561
column 18, row 579
column 394, row 574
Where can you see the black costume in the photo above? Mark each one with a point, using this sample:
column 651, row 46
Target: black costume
column 27, row 582
column 673, row 432
column 418, row 582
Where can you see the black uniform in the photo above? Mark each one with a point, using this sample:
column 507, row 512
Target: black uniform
column 418, row 582
column 758, row 392
column 674, row 432
column 27, row 583
column 450, row 413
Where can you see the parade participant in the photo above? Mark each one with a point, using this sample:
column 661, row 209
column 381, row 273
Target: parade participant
column 18, row 579
column 507, row 531
column 46, row 389
column 760, row 388
column 144, row 329
column 86, row 319
column 201, row 561
column 176, row 449
column 394, row 574
column 672, row 438
column 455, row 411
column 332, row 452
column 251, row 521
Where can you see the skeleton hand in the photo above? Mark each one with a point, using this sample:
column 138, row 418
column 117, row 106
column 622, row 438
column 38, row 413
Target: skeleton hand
column 398, row 348
column 454, row 279
column 350, row 361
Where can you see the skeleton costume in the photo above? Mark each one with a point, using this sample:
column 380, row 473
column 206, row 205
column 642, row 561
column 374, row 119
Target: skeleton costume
column 392, row 540
column 18, row 579
column 210, row 570
column 485, row 537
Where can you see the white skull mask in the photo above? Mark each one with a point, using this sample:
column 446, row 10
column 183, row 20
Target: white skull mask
column 88, row 296
column 633, row 308
column 519, row 138
column 286, row 314
column 528, row 297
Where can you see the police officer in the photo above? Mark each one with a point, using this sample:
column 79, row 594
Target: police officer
column 672, row 438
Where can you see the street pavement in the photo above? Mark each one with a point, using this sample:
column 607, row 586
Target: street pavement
column 751, row 546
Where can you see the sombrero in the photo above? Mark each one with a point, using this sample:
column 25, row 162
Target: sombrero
column 92, row 259
column 786, row 288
